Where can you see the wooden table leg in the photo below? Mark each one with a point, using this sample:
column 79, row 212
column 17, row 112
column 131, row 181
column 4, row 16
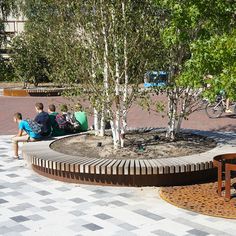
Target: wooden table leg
column 227, row 182
column 219, row 179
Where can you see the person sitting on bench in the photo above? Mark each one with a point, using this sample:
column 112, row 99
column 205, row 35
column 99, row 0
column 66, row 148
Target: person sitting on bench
column 25, row 134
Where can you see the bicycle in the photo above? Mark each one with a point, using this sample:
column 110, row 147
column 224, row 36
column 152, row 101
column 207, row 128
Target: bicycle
column 216, row 109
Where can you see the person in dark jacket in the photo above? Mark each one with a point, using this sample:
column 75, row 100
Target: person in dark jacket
column 42, row 118
column 55, row 130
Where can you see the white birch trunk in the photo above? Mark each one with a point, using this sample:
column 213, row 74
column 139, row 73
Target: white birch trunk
column 96, row 115
column 172, row 107
column 116, row 126
column 182, row 112
column 102, row 123
column 125, row 91
column 105, row 69
column 96, row 121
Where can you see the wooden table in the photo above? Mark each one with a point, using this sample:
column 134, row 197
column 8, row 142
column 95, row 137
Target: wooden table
column 225, row 163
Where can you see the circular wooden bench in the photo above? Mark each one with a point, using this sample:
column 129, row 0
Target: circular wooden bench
column 131, row 172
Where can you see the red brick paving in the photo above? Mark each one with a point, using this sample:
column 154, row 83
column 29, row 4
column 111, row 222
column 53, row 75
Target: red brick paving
column 136, row 117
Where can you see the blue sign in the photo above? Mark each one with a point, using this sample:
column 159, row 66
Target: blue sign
column 155, row 79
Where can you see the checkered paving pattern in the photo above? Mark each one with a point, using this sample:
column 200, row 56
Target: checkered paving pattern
column 34, row 205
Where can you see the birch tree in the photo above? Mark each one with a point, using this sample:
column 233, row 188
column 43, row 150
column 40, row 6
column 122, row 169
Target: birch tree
column 182, row 23
column 118, row 46
column 100, row 48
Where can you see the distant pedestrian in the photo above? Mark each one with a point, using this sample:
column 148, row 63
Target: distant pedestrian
column 25, row 133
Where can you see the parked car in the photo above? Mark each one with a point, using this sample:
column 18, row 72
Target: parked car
column 155, row 78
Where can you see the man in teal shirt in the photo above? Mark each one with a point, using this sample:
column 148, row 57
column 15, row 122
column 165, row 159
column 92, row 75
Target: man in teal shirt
column 81, row 117
column 25, row 134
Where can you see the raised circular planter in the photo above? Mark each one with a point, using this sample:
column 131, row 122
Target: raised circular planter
column 17, row 92
column 151, row 172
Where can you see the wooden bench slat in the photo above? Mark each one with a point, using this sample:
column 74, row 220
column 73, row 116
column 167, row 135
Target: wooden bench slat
column 137, row 168
column 98, row 166
column 132, row 167
column 121, row 167
column 127, row 167
column 109, row 167
column 104, row 167
column 143, row 167
column 153, row 166
column 115, row 167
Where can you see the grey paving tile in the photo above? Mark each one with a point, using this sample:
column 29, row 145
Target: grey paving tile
column 128, row 227
column 63, row 189
column 192, row 213
column 14, row 193
column 19, row 228
column 43, row 193
column 77, row 228
column 19, row 218
column 162, row 233
column 3, row 201
column 149, row 214
column 101, row 203
column 103, row 216
column 124, row 233
column 100, row 191
column 35, row 217
column 77, row 213
column 201, row 227
column 4, row 230
column 77, row 200
column 49, row 208
column 48, row 201
column 92, row 227
column 16, row 185
column 126, row 195
column 101, row 195
column 12, row 175
column 118, row 203
column 197, row 232
column 21, row 207
column 13, row 234
column 39, row 180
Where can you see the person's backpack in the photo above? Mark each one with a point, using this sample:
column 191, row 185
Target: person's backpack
column 61, row 121
column 74, row 122
column 34, row 126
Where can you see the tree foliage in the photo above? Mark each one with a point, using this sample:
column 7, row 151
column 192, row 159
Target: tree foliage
column 28, row 60
column 182, row 25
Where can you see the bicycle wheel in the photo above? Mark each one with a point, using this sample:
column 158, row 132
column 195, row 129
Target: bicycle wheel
column 214, row 110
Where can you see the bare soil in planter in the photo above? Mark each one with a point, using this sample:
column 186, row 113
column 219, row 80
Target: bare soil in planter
column 138, row 145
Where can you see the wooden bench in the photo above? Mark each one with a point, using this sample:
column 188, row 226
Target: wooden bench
column 45, row 160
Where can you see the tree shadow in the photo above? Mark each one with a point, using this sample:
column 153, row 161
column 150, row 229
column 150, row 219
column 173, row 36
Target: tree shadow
column 226, row 128
column 229, row 116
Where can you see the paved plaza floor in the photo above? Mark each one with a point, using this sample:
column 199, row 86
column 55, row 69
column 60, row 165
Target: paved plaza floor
column 34, row 205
